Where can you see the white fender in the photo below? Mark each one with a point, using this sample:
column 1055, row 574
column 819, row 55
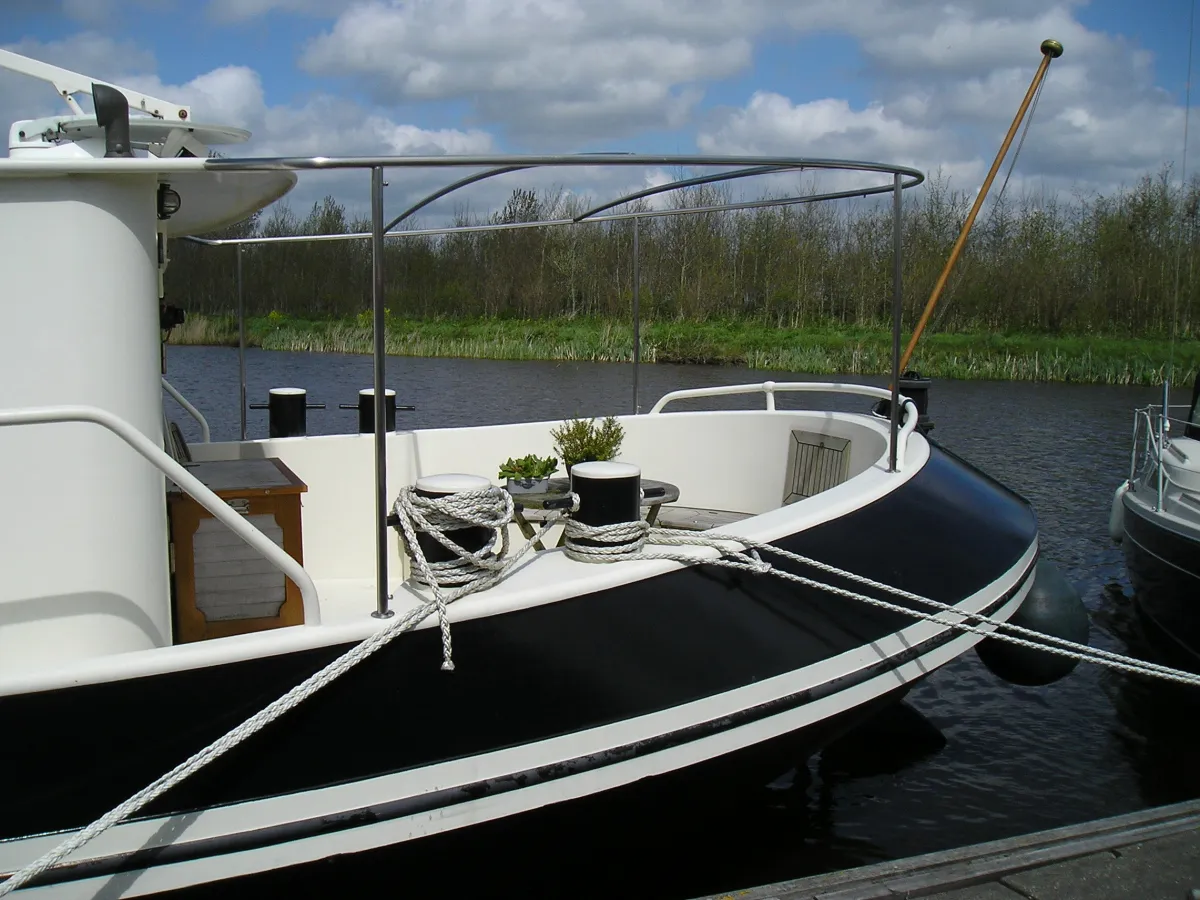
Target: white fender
column 1116, row 518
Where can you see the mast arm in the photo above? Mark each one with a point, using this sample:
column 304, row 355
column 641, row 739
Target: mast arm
column 68, row 83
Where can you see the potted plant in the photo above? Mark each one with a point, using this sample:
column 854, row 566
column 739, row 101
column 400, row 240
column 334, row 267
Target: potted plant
column 529, row 474
column 581, row 440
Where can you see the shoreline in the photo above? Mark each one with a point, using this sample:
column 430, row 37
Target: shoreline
column 819, row 350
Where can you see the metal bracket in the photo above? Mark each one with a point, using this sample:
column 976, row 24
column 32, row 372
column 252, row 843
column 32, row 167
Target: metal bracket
column 68, row 83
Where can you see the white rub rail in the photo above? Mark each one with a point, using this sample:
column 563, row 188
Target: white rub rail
column 770, row 388
column 205, row 433
column 195, row 488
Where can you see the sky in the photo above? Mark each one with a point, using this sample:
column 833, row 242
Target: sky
column 933, row 85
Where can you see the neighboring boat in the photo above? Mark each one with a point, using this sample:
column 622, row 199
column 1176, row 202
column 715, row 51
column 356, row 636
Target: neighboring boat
column 135, row 630
column 1156, row 519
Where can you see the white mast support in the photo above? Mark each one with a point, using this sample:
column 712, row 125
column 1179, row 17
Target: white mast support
column 69, row 83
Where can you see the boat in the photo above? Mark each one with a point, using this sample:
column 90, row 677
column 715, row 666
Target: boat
column 225, row 659
column 1156, row 520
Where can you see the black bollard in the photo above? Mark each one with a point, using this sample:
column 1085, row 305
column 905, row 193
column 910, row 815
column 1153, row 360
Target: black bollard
column 609, row 492
column 915, row 387
column 366, row 410
column 474, row 537
column 287, row 410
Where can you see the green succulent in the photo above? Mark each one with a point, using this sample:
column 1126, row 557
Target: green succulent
column 529, row 467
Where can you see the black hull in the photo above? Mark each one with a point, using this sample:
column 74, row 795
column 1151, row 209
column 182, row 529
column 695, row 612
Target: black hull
column 521, row 677
column 1164, row 569
column 548, row 851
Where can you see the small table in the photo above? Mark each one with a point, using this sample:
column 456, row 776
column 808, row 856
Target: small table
column 534, row 503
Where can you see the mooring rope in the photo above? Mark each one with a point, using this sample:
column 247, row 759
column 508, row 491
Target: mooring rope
column 468, row 571
column 432, row 514
column 627, row 541
column 475, row 571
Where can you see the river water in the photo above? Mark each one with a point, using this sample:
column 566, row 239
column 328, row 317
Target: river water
column 1014, row 760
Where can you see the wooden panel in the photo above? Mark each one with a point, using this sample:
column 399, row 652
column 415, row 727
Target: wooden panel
column 232, row 580
column 245, row 477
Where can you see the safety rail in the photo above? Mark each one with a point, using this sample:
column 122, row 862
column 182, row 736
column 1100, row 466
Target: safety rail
column 1155, row 442
column 899, row 179
column 195, row 488
column 770, row 388
column 205, row 433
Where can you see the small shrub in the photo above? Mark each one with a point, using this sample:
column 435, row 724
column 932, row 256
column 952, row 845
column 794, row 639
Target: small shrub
column 579, row 440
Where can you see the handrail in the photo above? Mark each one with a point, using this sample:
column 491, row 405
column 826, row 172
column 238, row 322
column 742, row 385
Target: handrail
column 1155, row 447
column 770, row 388
column 195, row 488
column 500, row 165
column 205, row 433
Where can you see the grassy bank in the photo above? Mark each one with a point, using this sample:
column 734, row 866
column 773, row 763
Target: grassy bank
column 821, row 351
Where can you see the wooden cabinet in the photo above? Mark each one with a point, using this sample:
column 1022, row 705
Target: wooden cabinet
column 221, row 586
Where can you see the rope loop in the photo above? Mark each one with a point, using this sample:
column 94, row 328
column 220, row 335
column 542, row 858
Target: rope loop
column 604, row 543
column 469, row 570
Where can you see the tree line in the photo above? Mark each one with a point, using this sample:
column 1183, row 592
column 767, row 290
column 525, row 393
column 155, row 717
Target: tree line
column 1123, row 263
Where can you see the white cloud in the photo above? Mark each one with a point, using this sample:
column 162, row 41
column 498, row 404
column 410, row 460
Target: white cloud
column 242, row 10
column 944, row 79
column 946, row 82
column 550, row 70
column 771, row 123
column 102, row 12
column 936, row 85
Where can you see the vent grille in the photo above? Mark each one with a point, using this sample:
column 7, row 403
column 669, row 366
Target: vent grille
column 816, row 463
column 233, row 581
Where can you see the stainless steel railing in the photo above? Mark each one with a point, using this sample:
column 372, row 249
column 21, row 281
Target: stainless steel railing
column 901, row 178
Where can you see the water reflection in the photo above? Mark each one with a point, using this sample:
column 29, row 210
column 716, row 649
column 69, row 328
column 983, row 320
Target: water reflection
column 1157, row 723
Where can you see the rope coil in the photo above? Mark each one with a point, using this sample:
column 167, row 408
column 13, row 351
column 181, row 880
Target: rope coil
column 604, row 543
column 469, row 570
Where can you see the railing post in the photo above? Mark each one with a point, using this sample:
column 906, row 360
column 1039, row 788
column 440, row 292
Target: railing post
column 637, row 316
column 897, row 313
column 1162, row 438
column 241, row 302
column 377, row 299
column 1133, row 450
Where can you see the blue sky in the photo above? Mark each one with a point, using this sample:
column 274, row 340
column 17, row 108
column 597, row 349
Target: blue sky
column 933, row 86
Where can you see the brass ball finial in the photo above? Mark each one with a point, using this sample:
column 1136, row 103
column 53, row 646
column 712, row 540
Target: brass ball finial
column 1052, row 49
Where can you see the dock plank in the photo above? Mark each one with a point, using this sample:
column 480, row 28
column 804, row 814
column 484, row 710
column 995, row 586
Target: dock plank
column 990, row 891
column 1149, row 853
column 1164, row 867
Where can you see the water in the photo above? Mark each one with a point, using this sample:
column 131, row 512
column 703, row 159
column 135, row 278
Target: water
column 1015, row 760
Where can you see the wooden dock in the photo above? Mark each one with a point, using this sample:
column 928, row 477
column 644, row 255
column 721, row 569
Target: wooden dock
column 1148, row 855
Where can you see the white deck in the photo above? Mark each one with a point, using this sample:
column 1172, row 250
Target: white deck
column 732, row 461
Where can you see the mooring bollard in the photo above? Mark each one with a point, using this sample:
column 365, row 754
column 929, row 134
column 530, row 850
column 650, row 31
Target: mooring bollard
column 366, row 410
column 287, row 411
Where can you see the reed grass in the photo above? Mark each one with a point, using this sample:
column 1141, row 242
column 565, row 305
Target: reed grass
column 1034, row 264
column 827, row 349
